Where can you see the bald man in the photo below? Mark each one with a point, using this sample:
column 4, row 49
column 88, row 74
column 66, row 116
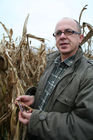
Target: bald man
column 63, row 100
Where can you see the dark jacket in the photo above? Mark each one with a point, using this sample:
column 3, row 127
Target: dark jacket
column 68, row 114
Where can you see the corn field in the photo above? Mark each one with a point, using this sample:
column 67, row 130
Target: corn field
column 21, row 66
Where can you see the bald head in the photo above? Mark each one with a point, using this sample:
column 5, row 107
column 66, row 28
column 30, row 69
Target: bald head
column 69, row 21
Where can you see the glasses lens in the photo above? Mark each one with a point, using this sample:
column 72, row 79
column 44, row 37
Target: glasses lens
column 58, row 33
column 68, row 32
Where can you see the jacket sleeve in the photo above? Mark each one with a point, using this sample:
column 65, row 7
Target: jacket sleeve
column 74, row 125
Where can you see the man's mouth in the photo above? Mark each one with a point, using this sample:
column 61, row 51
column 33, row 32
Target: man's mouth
column 63, row 44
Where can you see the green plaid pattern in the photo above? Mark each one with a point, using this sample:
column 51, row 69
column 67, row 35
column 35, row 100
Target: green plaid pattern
column 54, row 78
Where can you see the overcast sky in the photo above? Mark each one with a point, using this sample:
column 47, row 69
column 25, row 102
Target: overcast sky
column 44, row 14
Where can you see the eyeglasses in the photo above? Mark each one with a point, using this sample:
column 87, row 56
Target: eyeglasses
column 67, row 32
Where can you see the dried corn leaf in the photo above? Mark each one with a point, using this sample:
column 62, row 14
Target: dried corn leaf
column 84, row 8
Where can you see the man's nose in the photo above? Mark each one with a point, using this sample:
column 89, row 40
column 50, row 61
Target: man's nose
column 63, row 35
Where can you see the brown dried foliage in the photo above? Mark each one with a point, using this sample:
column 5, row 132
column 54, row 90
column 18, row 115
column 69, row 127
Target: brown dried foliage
column 20, row 68
column 87, row 30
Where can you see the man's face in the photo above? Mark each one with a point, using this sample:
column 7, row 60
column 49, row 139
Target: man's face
column 67, row 44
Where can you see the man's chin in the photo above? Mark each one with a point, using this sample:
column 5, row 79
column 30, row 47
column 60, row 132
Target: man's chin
column 65, row 52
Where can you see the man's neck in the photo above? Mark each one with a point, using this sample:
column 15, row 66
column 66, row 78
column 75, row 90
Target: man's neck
column 66, row 56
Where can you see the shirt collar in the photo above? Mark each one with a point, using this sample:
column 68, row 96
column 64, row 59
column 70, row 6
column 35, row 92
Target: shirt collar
column 68, row 61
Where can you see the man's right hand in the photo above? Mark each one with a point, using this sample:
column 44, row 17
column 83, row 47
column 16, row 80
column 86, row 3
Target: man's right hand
column 26, row 99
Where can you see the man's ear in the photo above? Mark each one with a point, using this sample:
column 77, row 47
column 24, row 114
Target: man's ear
column 81, row 38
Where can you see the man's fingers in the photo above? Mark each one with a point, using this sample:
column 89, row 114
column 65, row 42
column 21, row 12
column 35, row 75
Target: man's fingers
column 25, row 115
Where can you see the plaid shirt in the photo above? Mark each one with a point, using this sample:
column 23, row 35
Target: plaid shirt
column 54, row 78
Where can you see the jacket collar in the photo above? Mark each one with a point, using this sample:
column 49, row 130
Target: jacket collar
column 52, row 56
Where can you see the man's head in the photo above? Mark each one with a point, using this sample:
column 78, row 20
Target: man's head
column 68, row 36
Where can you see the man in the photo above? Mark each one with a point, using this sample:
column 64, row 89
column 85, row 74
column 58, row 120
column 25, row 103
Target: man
column 63, row 101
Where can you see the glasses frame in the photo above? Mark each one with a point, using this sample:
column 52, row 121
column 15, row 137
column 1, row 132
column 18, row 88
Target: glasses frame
column 71, row 32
